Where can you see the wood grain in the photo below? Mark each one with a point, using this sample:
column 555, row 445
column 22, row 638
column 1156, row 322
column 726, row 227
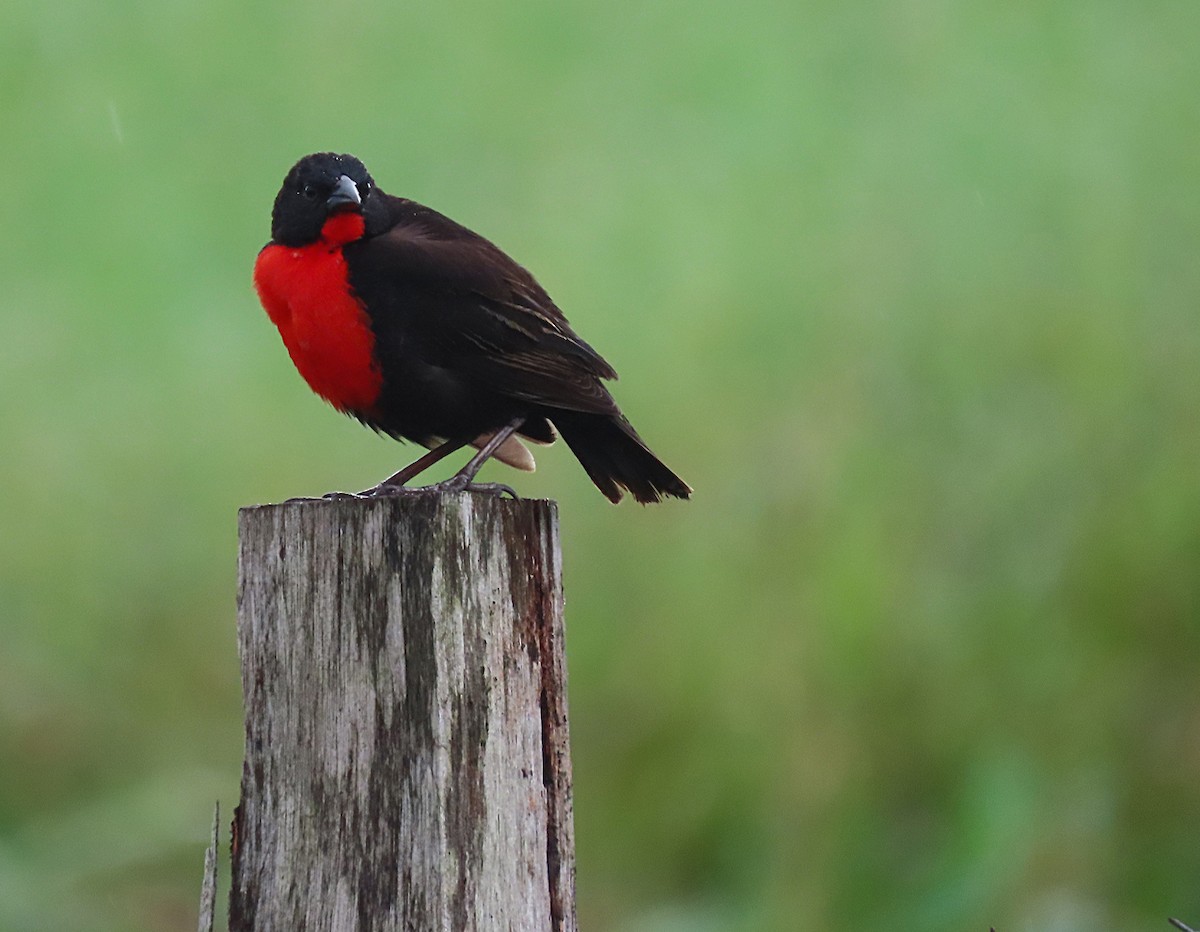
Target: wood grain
column 407, row 762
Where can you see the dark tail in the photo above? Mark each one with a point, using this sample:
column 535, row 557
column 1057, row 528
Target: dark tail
column 616, row 457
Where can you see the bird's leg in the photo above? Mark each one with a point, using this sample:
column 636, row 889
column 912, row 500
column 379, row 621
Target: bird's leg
column 394, row 485
column 461, row 481
column 415, row 468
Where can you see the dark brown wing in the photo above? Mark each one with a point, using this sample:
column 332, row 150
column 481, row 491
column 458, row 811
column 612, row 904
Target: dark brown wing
column 449, row 297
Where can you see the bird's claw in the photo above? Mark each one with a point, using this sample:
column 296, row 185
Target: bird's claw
column 484, row 488
column 453, row 484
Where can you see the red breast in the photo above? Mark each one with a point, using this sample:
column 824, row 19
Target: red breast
column 324, row 326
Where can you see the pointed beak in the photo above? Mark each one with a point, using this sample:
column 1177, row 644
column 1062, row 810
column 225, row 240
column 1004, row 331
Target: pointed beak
column 345, row 196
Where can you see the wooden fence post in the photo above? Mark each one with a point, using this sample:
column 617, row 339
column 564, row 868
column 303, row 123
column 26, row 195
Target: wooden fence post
column 407, row 763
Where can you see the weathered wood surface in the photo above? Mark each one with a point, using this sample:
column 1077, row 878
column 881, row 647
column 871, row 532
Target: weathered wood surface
column 208, row 891
column 407, row 761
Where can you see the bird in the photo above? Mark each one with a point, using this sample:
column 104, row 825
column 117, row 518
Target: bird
column 427, row 332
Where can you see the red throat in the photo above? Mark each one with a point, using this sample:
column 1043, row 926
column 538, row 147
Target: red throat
column 324, row 326
column 343, row 228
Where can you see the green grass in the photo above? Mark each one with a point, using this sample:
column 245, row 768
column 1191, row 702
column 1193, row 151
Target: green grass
column 908, row 292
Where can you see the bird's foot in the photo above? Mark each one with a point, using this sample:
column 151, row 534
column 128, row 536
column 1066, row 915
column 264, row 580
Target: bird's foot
column 463, row 483
column 347, row 496
column 459, row 483
column 385, row 490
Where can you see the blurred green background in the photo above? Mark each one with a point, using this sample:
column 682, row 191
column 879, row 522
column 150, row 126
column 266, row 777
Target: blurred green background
column 908, row 291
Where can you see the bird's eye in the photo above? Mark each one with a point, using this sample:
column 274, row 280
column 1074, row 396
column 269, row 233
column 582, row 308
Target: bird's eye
column 309, row 190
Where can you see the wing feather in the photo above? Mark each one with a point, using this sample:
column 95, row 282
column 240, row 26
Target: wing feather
column 463, row 305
